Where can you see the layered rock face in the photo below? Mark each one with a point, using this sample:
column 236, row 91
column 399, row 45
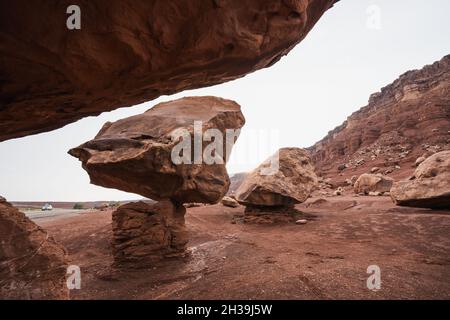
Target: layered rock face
column 290, row 183
column 367, row 183
column 131, row 51
column 32, row 264
column 429, row 187
column 155, row 155
column 135, row 154
column 407, row 119
column 148, row 232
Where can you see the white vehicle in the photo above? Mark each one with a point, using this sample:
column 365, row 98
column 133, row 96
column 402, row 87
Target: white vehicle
column 47, row 207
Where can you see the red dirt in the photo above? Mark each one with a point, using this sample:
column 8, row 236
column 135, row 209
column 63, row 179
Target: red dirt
column 325, row 259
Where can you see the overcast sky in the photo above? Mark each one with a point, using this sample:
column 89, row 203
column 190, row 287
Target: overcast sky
column 348, row 55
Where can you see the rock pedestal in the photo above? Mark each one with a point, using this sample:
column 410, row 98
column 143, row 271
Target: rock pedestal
column 283, row 180
column 175, row 153
column 32, row 264
column 278, row 184
column 147, row 233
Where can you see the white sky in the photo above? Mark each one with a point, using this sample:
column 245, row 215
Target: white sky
column 309, row 92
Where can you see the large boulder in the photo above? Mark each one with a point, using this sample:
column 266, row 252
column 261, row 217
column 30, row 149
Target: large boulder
column 131, row 51
column 32, row 264
column 144, row 234
column 429, row 187
column 271, row 186
column 136, row 154
column 367, row 183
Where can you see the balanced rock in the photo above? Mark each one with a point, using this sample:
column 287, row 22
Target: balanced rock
column 372, row 183
column 146, row 233
column 32, row 264
column 136, row 154
column 429, row 187
column 284, row 179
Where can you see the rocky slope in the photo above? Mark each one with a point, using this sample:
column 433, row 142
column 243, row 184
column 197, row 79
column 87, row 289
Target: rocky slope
column 407, row 119
column 131, row 51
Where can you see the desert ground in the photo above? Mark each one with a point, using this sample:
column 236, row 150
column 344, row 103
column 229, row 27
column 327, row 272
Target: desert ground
column 326, row 258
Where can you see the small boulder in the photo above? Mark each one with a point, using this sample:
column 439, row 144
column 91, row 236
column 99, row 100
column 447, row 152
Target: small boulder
column 372, row 182
column 229, row 202
column 338, row 191
column 419, row 160
column 374, row 169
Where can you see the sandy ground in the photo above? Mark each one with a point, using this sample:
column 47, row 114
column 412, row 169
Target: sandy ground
column 327, row 258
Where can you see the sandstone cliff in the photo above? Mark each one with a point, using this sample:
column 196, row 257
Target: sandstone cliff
column 405, row 120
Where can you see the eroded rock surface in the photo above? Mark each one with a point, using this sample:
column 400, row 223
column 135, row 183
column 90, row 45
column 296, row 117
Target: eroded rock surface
column 131, row 51
column 135, row 154
column 290, row 183
column 367, row 183
column 429, row 187
column 146, row 233
column 32, row 264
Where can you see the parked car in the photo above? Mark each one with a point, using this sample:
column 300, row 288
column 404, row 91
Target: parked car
column 47, row 207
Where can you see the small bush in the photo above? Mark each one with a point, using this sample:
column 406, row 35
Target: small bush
column 78, row 206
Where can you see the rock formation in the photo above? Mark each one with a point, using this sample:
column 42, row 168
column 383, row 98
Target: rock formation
column 367, row 183
column 407, row 119
column 155, row 154
column 289, row 184
column 131, row 51
column 32, row 264
column 429, row 187
column 146, row 233
column 135, row 154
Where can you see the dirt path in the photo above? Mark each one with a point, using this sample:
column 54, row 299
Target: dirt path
column 325, row 259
